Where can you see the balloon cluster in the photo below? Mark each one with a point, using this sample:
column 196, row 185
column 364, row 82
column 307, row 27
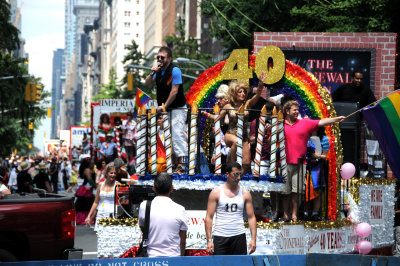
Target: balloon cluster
column 363, row 246
column 347, row 171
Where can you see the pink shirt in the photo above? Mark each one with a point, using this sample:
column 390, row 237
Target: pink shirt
column 296, row 137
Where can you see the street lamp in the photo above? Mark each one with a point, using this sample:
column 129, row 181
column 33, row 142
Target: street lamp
column 182, row 60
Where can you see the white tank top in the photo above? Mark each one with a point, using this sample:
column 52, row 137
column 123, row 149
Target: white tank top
column 229, row 215
column 106, row 203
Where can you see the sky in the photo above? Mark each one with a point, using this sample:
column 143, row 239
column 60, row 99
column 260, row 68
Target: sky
column 42, row 25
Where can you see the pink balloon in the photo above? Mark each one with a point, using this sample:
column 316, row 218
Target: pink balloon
column 347, row 171
column 363, row 230
column 364, row 247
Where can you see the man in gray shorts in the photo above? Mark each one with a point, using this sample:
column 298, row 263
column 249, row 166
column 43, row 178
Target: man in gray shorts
column 297, row 133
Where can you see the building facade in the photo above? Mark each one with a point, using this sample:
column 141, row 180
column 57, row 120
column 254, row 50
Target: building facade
column 127, row 25
column 58, row 80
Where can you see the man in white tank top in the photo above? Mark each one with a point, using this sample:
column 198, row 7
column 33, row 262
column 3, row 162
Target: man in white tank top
column 228, row 201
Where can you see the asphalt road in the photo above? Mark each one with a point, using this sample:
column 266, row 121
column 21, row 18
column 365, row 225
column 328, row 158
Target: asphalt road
column 86, row 239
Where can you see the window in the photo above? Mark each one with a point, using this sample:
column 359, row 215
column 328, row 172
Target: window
column 127, row 13
column 137, row 24
column 137, row 34
column 127, row 24
column 137, row 1
column 137, row 13
column 128, row 1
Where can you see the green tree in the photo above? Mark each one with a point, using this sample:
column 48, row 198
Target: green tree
column 135, row 57
column 15, row 112
column 346, row 16
column 187, row 48
column 9, row 40
column 111, row 90
column 234, row 22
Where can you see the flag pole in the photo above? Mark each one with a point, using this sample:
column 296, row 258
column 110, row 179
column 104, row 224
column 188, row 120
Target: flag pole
column 353, row 113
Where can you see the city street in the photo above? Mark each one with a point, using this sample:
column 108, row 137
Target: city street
column 86, row 239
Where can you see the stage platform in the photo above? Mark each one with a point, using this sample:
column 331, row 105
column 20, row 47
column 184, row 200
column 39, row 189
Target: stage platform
column 271, row 260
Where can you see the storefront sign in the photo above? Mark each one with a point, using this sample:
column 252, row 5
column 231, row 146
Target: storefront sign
column 333, row 68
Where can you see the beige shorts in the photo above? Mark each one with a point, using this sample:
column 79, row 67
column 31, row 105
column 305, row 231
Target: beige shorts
column 291, row 184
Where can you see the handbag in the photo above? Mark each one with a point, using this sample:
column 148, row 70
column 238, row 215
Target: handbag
column 142, row 251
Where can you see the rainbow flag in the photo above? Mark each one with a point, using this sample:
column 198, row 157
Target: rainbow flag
column 384, row 120
column 140, row 100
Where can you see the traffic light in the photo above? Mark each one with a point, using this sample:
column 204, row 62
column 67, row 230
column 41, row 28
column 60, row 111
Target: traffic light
column 28, row 92
column 30, row 146
column 48, row 112
column 130, row 77
column 37, row 93
column 30, row 126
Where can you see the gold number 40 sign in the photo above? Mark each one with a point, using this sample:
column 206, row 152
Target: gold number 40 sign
column 269, row 59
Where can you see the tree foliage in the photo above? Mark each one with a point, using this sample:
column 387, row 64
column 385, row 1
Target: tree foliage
column 234, row 22
column 9, row 40
column 346, row 16
column 111, row 90
column 135, row 57
column 15, row 112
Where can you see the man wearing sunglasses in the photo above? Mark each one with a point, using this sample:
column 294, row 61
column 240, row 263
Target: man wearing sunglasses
column 229, row 201
column 168, row 78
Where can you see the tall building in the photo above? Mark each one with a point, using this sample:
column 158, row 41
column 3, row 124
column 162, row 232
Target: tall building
column 127, row 25
column 189, row 11
column 58, row 79
column 69, row 29
column 168, row 18
column 153, row 27
column 84, row 12
column 104, row 40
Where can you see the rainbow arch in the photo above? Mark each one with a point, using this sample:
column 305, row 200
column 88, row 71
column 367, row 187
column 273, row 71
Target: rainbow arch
column 314, row 101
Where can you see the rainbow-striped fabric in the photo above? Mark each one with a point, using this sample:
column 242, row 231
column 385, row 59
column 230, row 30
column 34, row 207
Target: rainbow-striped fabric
column 169, row 80
column 140, row 100
column 384, row 120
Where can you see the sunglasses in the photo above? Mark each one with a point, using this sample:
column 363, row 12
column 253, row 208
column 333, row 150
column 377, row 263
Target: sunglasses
column 160, row 57
column 237, row 175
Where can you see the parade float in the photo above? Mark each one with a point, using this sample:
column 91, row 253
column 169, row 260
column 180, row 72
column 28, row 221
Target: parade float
column 370, row 201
